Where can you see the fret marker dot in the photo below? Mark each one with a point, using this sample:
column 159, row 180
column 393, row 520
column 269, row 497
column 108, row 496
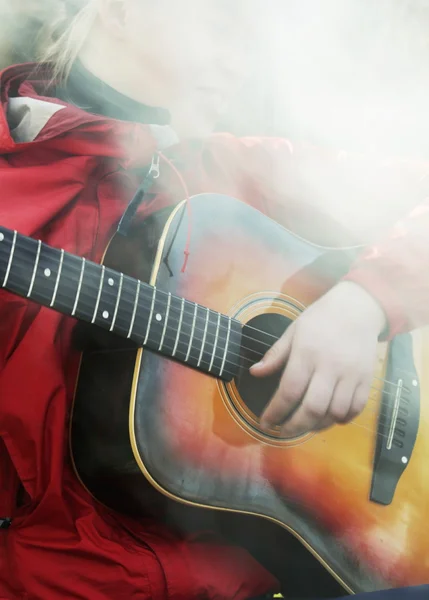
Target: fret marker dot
column 105, row 315
column 1, row 237
column 47, row 272
column 159, row 317
column 111, row 282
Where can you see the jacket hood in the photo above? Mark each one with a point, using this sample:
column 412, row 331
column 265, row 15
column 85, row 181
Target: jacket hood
column 30, row 115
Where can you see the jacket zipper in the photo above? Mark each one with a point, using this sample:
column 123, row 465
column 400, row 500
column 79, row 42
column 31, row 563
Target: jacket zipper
column 154, row 167
column 133, row 206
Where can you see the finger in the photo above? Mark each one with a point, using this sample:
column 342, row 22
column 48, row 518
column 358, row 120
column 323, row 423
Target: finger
column 313, row 408
column 291, row 390
column 342, row 400
column 360, row 399
column 325, row 423
column 276, row 356
column 359, row 402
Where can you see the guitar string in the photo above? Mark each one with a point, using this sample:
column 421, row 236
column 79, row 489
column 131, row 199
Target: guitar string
column 186, row 337
column 252, row 362
column 372, row 397
column 372, row 431
column 369, row 409
column 129, row 303
column 354, row 423
column 145, row 288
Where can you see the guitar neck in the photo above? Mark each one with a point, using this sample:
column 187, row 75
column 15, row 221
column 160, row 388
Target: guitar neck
column 190, row 333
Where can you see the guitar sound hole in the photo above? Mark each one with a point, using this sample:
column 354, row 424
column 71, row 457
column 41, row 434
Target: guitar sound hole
column 259, row 335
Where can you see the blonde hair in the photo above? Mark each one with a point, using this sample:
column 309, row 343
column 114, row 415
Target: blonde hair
column 20, row 24
column 64, row 38
column 45, row 31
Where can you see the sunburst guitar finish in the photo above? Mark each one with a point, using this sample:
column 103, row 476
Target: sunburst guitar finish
column 357, row 495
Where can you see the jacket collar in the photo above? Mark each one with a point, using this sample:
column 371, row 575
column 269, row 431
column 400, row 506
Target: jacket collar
column 29, row 113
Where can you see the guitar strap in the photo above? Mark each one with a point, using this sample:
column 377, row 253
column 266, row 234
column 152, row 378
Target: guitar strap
column 139, row 196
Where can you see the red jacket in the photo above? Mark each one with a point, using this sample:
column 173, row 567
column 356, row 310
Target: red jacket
column 69, row 187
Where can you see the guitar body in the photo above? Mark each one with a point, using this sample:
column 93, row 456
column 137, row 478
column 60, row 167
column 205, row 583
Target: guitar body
column 139, row 417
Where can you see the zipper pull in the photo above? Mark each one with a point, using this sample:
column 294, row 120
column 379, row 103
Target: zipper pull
column 154, row 167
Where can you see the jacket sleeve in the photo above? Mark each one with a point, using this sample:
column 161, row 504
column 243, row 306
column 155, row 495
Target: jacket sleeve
column 395, row 271
column 366, row 198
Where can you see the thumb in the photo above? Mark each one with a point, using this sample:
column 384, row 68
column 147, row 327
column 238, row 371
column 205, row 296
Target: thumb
column 276, row 356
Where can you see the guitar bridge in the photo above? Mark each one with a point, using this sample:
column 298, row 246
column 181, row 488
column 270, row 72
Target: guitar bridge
column 398, row 421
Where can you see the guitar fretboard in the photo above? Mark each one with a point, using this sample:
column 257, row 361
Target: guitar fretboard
column 190, row 333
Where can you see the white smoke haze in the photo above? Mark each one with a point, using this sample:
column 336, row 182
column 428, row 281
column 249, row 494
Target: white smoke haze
column 21, row 22
column 345, row 74
column 353, row 73
column 349, row 73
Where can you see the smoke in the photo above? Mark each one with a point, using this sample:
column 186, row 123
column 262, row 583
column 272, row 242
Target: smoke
column 21, row 22
column 348, row 73
column 344, row 73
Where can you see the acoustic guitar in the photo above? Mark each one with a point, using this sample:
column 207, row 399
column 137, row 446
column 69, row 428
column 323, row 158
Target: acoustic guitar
column 164, row 393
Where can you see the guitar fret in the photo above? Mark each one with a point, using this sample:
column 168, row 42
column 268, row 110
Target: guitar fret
column 215, row 343
column 225, row 354
column 117, row 302
column 36, row 264
column 176, row 343
column 100, row 289
column 192, row 333
column 57, row 283
column 111, row 300
column 165, row 323
column 79, row 287
column 9, row 264
column 133, row 318
column 204, row 337
column 149, row 323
